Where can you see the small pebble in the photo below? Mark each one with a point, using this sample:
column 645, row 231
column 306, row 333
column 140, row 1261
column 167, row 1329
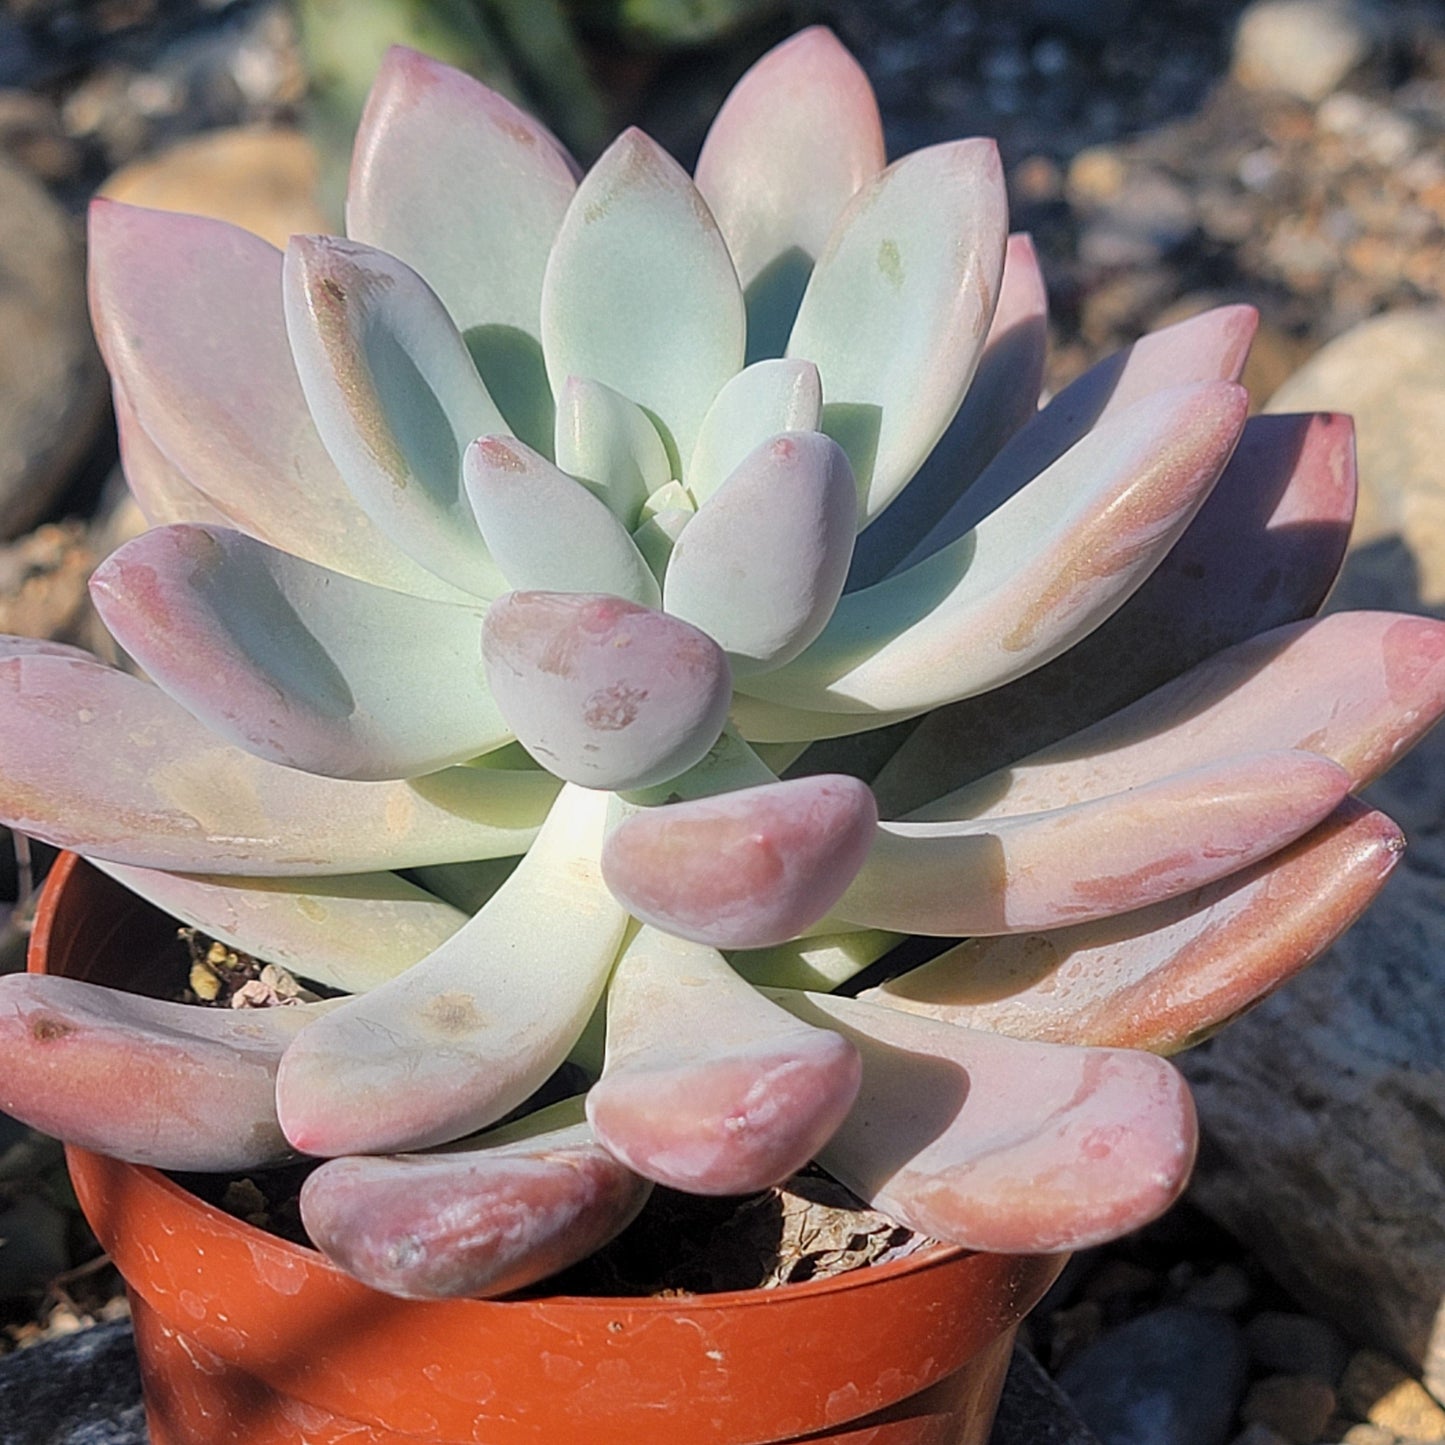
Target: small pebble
column 1302, row 47
column 1298, row 1407
column 1377, row 1389
column 1369, row 1435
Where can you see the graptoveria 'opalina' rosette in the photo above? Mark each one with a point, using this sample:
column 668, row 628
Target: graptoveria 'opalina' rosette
column 505, row 554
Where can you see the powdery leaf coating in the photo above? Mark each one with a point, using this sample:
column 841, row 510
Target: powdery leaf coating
column 298, row 664
column 708, row 1087
column 547, row 531
column 602, row 691
column 1094, row 859
column 467, row 1034
column 610, row 446
column 1004, row 1145
column 352, row 931
column 165, row 1084
column 1165, row 977
column 1002, row 397
column 1039, row 573
column 1263, row 551
column 1359, row 688
column 762, row 400
column 96, row 760
column 395, row 396
column 746, row 869
column 640, row 293
column 898, row 306
column 160, row 488
column 477, row 1221
column 1209, row 347
column 761, row 566
column 796, row 137
column 222, row 402
column 492, row 182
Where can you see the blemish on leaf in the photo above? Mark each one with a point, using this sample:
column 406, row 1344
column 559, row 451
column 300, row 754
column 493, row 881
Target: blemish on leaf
column 613, row 708
column 890, row 263
column 47, row 1028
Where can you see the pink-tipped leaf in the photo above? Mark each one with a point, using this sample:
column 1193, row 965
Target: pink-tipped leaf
column 610, row 445
column 761, row 566
column 98, row 761
column 1000, row 1144
column 1035, row 576
column 1165, row 977
column 141, row 1079
column 1209, row 347
column 1094, row 859
column 708, row 1087
column 188, row 312
column 640, row 293
column 296, row 663
column 395, row 397
column 602, row 691
column 1263, row 551
column 517, row 1205
column 745, row 869
column 470, row 191
column 1359, row 688
column 548, row 532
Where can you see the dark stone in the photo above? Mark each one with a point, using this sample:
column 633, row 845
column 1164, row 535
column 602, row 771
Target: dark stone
column 1176, row 1374
column 81, row 1389
column 1035, row 1411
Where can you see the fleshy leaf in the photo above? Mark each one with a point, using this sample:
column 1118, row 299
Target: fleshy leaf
column 470, row 192
column 1162, row 978
column 1003, row 395
column 798, row 135
column 1038, row 574
column 761, row 566
column 707, row 1086
column 898, row 305
column 198, row 1088
column 350, row 932
column 502, row 1213
column 467, row 1034
column 1212, row 346
column 222, row 401
column 298, row 664
column 98, row 761
column 1000, row 1144
column 1124, row 851
column 746, row 869
column 1356, row 687
column 1263, row 551
column 762, row 400
column 546, row 531
column 640, row 293
column 821, row 961
column 604, row 692
column 610, row 446
column 395, row 397
column 160, row 489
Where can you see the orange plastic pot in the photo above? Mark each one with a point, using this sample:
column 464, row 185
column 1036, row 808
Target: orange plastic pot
column 245, row 1339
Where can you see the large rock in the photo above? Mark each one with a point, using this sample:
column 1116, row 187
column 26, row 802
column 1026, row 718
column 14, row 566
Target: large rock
column 262, row 179
column 1303, row 47
column 52, row 387
column 1324, row 1109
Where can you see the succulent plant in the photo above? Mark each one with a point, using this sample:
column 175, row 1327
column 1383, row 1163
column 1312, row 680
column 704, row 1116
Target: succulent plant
column 506, row 554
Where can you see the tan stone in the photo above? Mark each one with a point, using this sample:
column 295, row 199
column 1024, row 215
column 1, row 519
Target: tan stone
column 1376, row 1388
column 264, row 180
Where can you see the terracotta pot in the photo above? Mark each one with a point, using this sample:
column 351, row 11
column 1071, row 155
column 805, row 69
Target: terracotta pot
column 245, row 1339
